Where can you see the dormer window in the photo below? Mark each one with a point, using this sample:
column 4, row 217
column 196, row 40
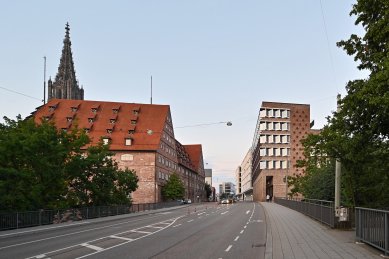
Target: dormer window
column 90, row 120
column 135, row 112
column 52, row 108
column 131, row 131
column 112, row 121
column 74, row 109
column 87, row 130
column 105, row 141
column 133, row 122
column 64, row 129
column 69, row 119
column 46, row 118
column 109, row 131
column 115, row 111
column 94, row 110
column 128, row 141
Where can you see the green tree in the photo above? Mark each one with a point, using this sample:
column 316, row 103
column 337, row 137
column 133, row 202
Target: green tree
column 32, row 158
column 208, row 190
column 358, row 135
column 94, row 178
column 174, row 188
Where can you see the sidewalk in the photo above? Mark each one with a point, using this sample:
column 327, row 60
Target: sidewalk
column 291, row 234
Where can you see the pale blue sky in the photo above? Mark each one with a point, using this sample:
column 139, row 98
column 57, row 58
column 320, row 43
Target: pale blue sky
column 211, row 60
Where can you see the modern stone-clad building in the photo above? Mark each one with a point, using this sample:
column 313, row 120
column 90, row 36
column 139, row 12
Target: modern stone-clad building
column 142, row 138
column 65, row 85
column 244, row 188
column 277, row 147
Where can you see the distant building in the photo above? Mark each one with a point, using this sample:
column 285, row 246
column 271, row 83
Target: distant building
column 208, row 176
column 243, row 178
column 227, row 187
column 142, row 138
column 277, row 147
column 65, row 85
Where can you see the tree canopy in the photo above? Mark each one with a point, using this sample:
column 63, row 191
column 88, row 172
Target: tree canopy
column 44, row 168
column 174, row 188
column 358, row 134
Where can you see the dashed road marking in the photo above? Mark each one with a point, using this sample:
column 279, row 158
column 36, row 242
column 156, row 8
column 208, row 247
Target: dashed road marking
column 228, row 248
column 223, row 212
column 247, row 212
column 190, row 220
column 245, row 227
column 123, row 238
column 241, row 231
column 177, row 225
column 236, row 238
column 96, row 248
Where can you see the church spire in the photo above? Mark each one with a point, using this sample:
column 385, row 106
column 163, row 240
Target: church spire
column 65, row 85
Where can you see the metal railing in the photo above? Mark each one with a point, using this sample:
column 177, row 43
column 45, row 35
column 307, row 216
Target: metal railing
column 320, row 210
column 16, row 220
column 372, row 227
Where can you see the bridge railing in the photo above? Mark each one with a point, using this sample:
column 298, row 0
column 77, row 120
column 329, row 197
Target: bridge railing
column 372, row 227
column 322, row 211
column 14, row 220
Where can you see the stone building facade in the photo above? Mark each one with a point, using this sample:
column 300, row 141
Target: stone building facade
column 277, row 147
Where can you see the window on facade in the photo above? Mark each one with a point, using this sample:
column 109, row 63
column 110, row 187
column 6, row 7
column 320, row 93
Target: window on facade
column 112, row 121
column 269, row 126
column 262, row 113
column 128, row 141
column 262, row 165
column 269, row 139
column 278, row 152
column 262, row 152
column 73, row 109
column 263, row 139
column 262, row 126
column 69, row 119
column 269, row 113
column 115, row 111
column 105, row 141
column 277, row 126
column 277, row 113
column 133, row 122
column 90, row 120
column 269, row 164
column 131, row 131
column 270, row 151
column 94, row 110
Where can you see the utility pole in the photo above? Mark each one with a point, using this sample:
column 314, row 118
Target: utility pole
column 44, row 80
column 337, row 173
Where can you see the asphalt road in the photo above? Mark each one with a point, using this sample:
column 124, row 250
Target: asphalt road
column 197, row 231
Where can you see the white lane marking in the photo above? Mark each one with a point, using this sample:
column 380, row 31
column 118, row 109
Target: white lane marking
column 200, row 213
column 223, row 212
column 242, row 231
column 104, row 237
column 236, row 238
column 228, row 248
column 190, row 220
column 140, row 231
column 40, row 256
column 177, row 225
column 247, row 212
column 123, row 238
column 154, row 227
column 245, row 227
column 72, row 233
column 93, row 247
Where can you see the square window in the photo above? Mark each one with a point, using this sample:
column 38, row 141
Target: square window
column 128, row 141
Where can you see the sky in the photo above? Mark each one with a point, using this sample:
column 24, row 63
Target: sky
column 212, row 61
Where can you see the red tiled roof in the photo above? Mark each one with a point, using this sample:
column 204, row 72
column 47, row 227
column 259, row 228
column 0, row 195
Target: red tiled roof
column 110, row 119
column 195, row 154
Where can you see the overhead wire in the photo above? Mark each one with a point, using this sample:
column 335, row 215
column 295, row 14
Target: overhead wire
column 12, row 91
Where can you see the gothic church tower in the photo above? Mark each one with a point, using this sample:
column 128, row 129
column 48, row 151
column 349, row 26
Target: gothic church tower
column 65, row 85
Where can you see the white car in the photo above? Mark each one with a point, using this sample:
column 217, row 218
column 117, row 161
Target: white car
column 189, row 201
column 225, row 201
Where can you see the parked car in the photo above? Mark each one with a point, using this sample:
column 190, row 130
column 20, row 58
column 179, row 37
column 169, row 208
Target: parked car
column 224, row 201
column 189, row 201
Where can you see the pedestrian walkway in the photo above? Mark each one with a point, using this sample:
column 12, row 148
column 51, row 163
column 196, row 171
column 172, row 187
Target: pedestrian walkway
column 291, row 234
